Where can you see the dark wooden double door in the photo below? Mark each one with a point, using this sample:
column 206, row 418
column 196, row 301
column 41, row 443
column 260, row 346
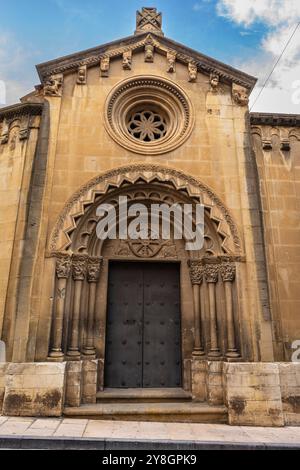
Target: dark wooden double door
column 143, row 337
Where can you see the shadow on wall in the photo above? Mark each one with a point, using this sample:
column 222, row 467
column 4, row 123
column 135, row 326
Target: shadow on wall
column 2, row 352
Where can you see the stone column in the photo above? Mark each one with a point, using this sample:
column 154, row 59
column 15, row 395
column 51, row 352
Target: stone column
column 79, row 270
column 93, row 275
column 63, row 269
column 196, row 274
column 228, row 273
column 212, row 277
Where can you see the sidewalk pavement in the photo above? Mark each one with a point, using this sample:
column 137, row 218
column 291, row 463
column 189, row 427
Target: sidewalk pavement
column 113, row 435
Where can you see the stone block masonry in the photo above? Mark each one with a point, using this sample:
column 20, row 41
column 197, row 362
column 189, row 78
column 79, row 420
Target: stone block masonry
column 34, row 389
column 253, row 394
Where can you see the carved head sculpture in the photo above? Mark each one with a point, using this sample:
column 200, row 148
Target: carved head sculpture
column 171, row 58
column 149, row 53
column 193, row 71
column 214, row 81
column 127, row 60
column 240, row 95
column 81, row 78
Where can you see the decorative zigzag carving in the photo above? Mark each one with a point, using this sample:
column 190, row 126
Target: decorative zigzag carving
column 76, row 207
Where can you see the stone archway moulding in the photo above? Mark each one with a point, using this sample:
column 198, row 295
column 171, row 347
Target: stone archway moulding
column 87, row 194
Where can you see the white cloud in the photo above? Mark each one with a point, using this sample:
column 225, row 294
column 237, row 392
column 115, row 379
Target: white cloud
column 14, row 59
column 280, row 18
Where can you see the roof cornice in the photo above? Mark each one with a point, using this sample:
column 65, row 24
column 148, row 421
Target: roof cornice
column 116, row 48
column 270, row 119
column 21, row 109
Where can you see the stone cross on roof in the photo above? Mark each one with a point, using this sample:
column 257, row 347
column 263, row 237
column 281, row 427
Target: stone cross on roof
column 148, row 20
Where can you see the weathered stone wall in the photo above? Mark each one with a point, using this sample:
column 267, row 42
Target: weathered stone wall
column 253, row 394
column 18, row 140
column 277, row 150
column 256, row 394
column 34, row 389
column 290, row 391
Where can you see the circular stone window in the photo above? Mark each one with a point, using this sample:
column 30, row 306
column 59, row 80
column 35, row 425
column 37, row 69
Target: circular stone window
column 148, row 115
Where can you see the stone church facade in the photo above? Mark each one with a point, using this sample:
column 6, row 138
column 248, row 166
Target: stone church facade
column 89, row 325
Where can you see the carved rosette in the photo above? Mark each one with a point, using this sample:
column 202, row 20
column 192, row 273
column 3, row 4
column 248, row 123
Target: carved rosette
column 63, row 265
column 79, row 267
column 197, row 271
column 212, row 273
column 228, row 272
column 94, row 269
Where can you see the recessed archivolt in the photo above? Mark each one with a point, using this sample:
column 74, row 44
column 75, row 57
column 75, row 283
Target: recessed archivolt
column 83, row 199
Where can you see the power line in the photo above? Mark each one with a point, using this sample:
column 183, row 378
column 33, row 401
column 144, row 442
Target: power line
column 277, row 62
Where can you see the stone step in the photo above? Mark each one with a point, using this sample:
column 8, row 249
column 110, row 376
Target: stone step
column 113, row 395
column 161, row 412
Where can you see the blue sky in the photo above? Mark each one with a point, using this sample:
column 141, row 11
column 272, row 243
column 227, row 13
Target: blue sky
column 32, row 31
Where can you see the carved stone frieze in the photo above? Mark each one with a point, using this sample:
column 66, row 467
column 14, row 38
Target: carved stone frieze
column 147, row 249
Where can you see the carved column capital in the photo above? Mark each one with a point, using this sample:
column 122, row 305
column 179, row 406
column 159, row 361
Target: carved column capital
column 79, row 267
column 94, row 269
column 212, row 273
column 228, row 272
column 197, row 271
column 63, row 265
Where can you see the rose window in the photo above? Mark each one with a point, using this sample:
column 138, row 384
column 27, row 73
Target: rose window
column 147, row 126
column 148, row 115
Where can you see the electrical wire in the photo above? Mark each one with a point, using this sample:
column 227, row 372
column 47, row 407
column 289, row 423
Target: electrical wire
column 273, row 70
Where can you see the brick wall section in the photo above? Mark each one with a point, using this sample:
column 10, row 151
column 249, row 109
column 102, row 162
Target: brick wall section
column 253, row 394
column 34, row 389
column 290, row 392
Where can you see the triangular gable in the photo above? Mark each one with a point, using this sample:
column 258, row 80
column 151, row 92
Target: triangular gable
column 163, row 45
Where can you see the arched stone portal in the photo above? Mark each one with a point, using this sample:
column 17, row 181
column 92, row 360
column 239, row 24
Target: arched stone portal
column 208, row 306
